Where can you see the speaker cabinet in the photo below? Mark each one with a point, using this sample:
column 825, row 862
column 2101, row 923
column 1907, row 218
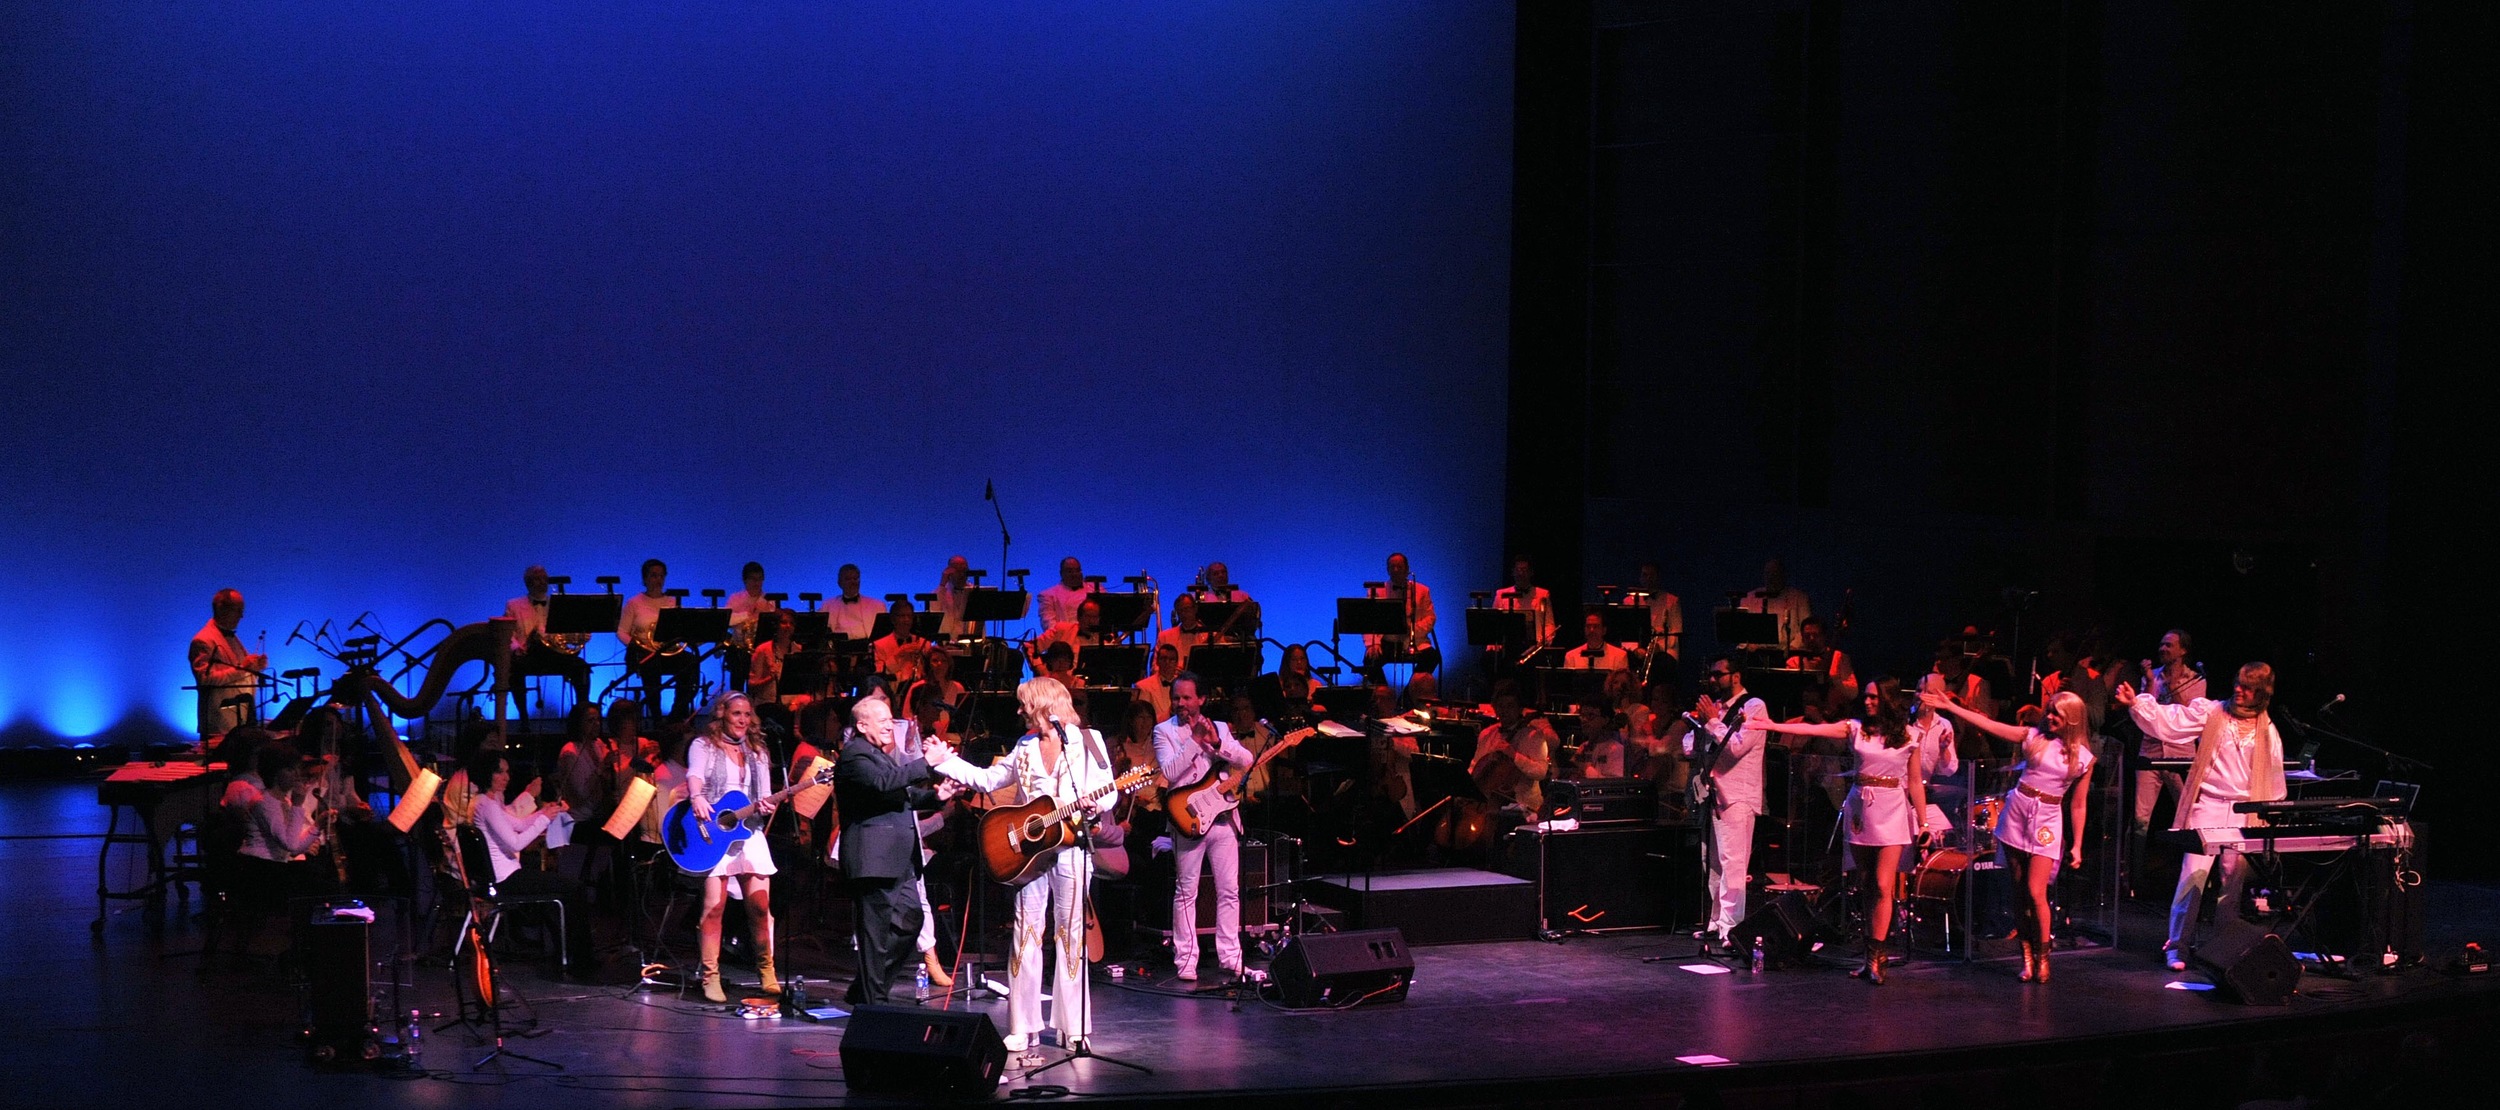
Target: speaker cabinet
column 1344, row 969
column 1784, row 926
column 906, row 1050
column 338, row 989
column 2249, row 964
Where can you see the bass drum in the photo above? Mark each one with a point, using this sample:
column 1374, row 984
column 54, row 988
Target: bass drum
column 1935, row 900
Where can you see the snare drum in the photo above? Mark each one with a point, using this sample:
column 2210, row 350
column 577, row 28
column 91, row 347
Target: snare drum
column 1935, row 898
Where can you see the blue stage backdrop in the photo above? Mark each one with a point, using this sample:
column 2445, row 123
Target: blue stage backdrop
column 365, row 306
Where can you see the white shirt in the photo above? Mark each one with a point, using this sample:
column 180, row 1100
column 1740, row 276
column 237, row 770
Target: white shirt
column 2231, row 775
column 855, row 618
column 1540, row 609
column 1791, row 607
column 950, row 608
column 1419, row 617
column 1059, row 603
column 745, row 607
column 1181, row 640
column 1737, row 769
column 641, row 618
column 1608, row 658
column 1934, row 733
column 1082, row 767
column 1666, row 620
column 1157, row 693
column 528, row 618
column 277, row 829
column 506, row 835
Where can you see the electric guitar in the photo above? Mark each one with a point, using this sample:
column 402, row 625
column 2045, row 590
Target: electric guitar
column 1195, row 808
column 697, row 845
column 1019, row 842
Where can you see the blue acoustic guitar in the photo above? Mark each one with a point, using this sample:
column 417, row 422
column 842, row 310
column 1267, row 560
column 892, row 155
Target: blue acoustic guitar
column 697, row 845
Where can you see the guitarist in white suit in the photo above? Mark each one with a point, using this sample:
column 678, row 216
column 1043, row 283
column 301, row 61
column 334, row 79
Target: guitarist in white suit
column 1060, row 760
column 1187, row 747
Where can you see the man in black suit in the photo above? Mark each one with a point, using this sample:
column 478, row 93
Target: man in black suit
column 876, row 786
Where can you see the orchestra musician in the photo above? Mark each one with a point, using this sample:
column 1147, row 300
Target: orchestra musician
column 730, row 754
column 1886, row 804
column 282, row 827
column 1777, row 597
column 953, row 583
column 1156, row 688
column 777, row 639
column 1060, row 601
column 648, row 658
column 1816, row 655
column 1187, row 748
column 227, row 676
column 1285, row 696
column 507, row 834
column 533, row 653
column 850, row 615
column 1185, row 633
column 2042, row 821
column 1417, row 645
column 1725, row 746
column 746, row 608
column 2169, row 679
column 1243, row 625
column 1937, row 755
column 1054, row 759
column 1603, row 752
column 1514, row 755
column 877, row 786
column 1524, row 595
column 1666, row 618
column 1594, row 652
column 2239, row 758
column 944, row 694
column 1083, row 629
column 899, row 653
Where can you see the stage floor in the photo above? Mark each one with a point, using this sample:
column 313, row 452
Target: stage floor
column 132, row 1018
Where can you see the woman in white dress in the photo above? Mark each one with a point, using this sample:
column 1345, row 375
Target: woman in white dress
column 730, row 755
column 1887, row 793
column 1059, row 760
column 2042, row 820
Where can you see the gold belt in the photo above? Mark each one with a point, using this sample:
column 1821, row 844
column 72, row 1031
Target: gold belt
column 1886, row 781
column 2052, row 799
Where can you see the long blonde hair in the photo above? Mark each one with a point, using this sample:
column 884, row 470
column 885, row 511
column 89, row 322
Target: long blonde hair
column 717, row 729
column 2069, row 707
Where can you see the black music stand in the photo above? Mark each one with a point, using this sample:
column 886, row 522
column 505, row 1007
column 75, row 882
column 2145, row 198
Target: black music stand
column 1502, row 628
column 583, row 614
column 1371, row 616
column 1227, row 667
column 809, row 630
column 983, row 605
column 1124, row 612
column 1107, row 709
column 804, row 673
column 1625, row 624
column 1216, row 614
column 1782, row 689
column 1740, row 626
column 1558, row 687
column 682, row 625
column 1112, row 664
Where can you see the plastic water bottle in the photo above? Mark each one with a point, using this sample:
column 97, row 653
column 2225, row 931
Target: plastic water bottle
column 412, row 1040
column 1757, row 955
column 921, row 980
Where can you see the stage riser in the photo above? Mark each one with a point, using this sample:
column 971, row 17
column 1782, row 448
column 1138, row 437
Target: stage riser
column 1435, row 914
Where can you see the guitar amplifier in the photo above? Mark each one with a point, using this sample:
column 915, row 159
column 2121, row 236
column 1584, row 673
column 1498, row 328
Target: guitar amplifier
column 1611, row 801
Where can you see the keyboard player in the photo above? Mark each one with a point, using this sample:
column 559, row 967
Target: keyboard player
column 2239, row 758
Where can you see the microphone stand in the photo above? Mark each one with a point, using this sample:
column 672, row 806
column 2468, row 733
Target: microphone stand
column 989, row 493
column 2394, row 760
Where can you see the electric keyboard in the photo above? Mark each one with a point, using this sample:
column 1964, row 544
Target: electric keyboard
column 2296, row 838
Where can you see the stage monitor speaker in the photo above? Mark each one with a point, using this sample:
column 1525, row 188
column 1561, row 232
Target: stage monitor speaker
column 906, row 1050
column 1343, row 969
column 1784, row 926
column 338, row 989
column 2249, row 964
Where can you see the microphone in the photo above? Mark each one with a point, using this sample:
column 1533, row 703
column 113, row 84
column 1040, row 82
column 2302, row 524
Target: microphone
column 2322, row 710
column 324, row 631
column 360, row 621
column 989, row 490
column 298, row 634
column 300, row 672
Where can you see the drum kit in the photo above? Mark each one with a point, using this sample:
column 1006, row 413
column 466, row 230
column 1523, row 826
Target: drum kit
column 1935, row 898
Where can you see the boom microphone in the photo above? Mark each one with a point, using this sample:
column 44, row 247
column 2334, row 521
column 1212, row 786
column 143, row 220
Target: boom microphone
column 2338, row 700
